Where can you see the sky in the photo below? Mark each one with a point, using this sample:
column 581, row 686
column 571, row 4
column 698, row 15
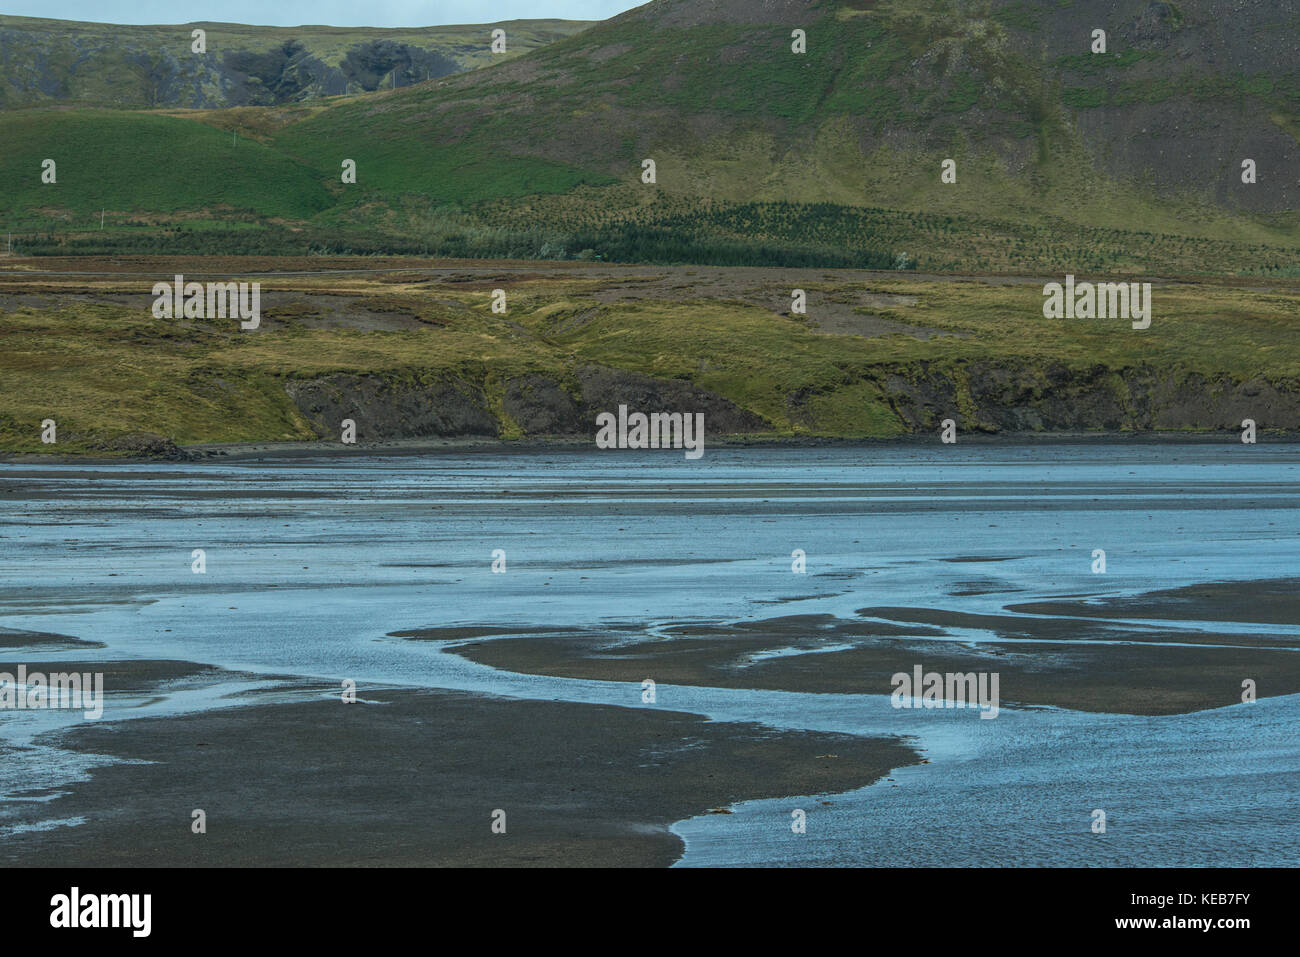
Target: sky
column 338, row 13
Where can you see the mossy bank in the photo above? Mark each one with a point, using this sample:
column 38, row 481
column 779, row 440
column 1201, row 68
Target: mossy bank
column 412, row 350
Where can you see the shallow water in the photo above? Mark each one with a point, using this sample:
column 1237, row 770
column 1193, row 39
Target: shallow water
column 311, row 565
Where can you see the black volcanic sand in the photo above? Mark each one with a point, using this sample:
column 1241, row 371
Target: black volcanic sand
column 413, row 779
column 133, row 676
column 42, row 640
column 1149, row 676
column 1270, row 602
column 1027, row 626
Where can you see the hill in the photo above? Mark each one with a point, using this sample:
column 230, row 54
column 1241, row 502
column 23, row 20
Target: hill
column 108, row 65
column 1064, row 159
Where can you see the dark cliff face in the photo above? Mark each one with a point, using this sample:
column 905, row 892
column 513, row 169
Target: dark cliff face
column 290, row 73
column 1059, row 398
column 530, row 405
column 979, row 397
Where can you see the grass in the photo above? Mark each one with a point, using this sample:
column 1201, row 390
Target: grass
column 139, row 162
column 396, row 164
column 764, row 157
column 102, row 370
column 958, row 239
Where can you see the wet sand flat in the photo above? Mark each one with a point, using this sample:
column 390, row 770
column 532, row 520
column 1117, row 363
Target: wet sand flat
column 42, row 640
column 1109, row 668
column 1112, row 679
column 223, row 687
column 122, row 677
column 412, row 778
column 1273, row 602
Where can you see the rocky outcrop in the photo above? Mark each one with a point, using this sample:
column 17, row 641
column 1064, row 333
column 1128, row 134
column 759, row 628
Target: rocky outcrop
column 604, row 390
column 112, row 65
column 148, row 445
column 386, row 407
column 389, row 407
column 984, row 397
column 1056, row 398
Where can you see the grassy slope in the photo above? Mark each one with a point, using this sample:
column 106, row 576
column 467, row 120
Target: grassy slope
column 102, row 370
column 542, row 153
column 852, row 122
column 137, row 162
column 393, row 160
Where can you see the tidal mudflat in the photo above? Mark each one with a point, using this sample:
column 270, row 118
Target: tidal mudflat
column 524, row 689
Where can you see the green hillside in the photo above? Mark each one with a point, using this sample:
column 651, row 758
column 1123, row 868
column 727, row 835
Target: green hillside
column 1128, row 160
column 138, row 163
column 392, row 161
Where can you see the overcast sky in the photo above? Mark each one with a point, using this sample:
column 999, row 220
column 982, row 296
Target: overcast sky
column 339, row 13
